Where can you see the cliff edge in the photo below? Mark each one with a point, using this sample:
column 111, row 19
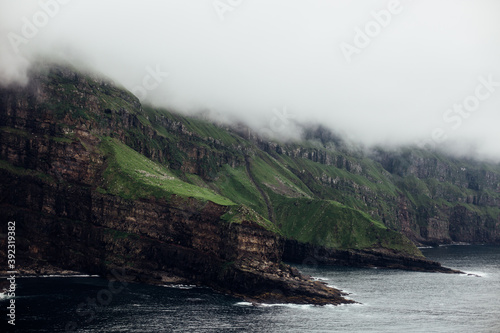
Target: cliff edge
column 83, row 200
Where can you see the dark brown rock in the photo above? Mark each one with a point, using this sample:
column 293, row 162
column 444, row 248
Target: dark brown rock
column 382, row 258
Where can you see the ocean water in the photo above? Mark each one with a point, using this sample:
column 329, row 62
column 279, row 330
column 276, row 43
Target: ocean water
column 390, row 301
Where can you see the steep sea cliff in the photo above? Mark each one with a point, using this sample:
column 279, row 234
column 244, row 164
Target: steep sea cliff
column 97, row 182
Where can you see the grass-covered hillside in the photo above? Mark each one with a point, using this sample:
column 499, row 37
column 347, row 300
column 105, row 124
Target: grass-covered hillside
column 131, row 175
column 318, row 191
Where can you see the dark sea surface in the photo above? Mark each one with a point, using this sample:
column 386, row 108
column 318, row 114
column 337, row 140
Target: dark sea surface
column 391, row 301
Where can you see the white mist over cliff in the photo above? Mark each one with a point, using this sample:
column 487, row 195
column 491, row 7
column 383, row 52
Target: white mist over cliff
column 379, row 72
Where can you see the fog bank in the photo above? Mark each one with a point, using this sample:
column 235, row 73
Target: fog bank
column 377, row 72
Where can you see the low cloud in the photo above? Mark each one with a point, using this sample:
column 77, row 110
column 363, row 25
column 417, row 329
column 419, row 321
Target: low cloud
column 377, row 72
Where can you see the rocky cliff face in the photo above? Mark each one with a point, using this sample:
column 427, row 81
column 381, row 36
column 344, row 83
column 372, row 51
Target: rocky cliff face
column 84, row 202
column 430, row 197
column 445, row 199
column 155, row 241
column 51, row 172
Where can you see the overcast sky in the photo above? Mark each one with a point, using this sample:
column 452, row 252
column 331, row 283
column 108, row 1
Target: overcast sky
column 379, row 72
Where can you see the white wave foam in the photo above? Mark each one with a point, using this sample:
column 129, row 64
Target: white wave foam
column 348, row 292
column 4, row 296
column 59, row 276
column 320, row 278
column 243, row 304
column 475, row 274
column 265, row 305
column 294, row 306
column 289, row 305
column 179, row 286
column 455, row 244
column 344, row 305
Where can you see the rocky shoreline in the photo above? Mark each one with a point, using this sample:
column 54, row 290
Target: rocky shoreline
column 257, row 282
column 297, row 252
column 39, row 271
column 275, row 285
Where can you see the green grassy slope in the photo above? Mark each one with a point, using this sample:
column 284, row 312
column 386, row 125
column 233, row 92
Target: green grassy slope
column 131, row 175
column 331, row 224
column 299, row 213
column 314, row 191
